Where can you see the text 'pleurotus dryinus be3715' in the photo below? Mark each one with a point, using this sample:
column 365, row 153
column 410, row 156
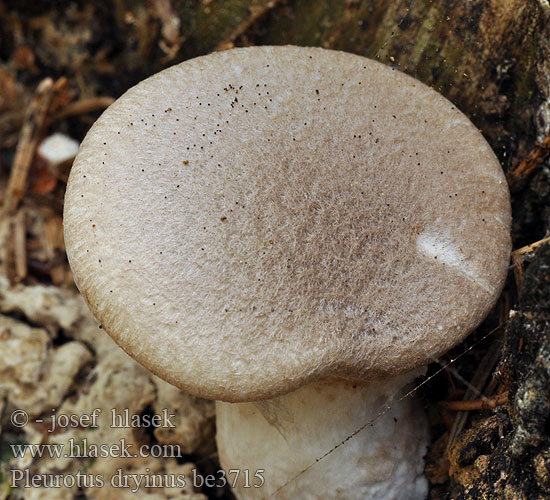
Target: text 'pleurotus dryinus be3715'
column 295, row 232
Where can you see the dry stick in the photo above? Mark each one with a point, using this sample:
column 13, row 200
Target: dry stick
column 20, row 245
column 517, row 260
column 531, row 247
column 82, row 106
column 26, row 147
column 255, row 15
column 31, row 130
column 476, row 404
column 386, row 408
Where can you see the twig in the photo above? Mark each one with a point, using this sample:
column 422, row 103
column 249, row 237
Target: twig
column 31, row 131
column 28, row 141
column 531, row 247
column 82, row 106
column 517, row 260
column 19, row 245
column 256, row 14
column 476, row 404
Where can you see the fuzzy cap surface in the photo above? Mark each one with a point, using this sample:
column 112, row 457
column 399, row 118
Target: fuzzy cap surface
column 253, row 220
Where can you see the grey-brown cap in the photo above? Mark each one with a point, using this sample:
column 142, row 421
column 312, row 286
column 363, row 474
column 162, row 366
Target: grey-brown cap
column 249, row 221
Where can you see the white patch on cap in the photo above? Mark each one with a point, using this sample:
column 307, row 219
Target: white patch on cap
column 442, row 249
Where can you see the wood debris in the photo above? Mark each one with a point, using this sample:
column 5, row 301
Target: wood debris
column 517, row 260
column 519, row 175
column 31, row 133
column 476, row 404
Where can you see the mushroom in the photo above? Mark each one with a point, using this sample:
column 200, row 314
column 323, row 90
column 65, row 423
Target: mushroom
column 294, row 232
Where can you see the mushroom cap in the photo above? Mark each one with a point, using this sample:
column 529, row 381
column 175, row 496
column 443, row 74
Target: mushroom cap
column 253, row 220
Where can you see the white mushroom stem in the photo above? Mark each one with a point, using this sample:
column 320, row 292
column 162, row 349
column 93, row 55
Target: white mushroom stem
column 279, row 438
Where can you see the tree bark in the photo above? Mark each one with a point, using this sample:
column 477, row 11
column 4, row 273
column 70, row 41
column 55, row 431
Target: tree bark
column 490, row 57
